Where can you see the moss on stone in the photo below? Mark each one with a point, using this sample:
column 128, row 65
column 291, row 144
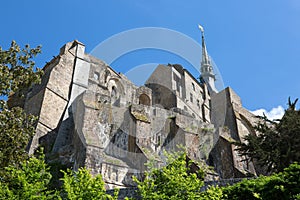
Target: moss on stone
column 172, row 117
column 206, row 130
column 113, row 161
column 140, row 116
column 191, row 129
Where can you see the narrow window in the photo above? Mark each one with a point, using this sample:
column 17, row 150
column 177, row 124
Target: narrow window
column 178, row 86
column 203, row 95
column 177, row 81
column 203, row 113
column 191, row 97
column 113, row 92
column 158, row 140
column 193, row 86
column 106, row 76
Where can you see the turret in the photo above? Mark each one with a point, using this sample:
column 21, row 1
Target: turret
column 207, row 73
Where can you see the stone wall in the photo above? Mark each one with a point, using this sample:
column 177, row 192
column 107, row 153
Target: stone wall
column 49, row 99
column 91, row 116
column 233, row 123
column 174, row 87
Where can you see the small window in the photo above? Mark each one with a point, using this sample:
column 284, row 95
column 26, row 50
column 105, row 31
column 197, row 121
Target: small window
column 178, row 86
column 193, row 86
column 203, row 113
column 113, row 92
column 96, row 76
column 203, row 95
column 177, row 81
column 158, row 140
column 198, row 103
column 175, row 77
column 191, row 97
column 106, row 76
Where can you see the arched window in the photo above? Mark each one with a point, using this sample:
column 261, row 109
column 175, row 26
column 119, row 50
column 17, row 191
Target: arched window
column 144, row 99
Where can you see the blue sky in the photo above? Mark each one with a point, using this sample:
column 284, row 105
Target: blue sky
column 255, row 44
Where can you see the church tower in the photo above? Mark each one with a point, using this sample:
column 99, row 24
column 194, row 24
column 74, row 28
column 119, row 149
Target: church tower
column 207, row 73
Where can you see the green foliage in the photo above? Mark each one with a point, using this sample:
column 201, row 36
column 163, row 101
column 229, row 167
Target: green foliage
column 212, row 193
column 174, row 181
column 81, row 185
column 283, row 186
column 56, row 169
column 17, row 69
column 278, row 144
column 17, row 72
column 30, row 181
column 16, row 129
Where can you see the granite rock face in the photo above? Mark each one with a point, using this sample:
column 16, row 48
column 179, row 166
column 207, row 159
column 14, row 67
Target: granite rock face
column 90, row 115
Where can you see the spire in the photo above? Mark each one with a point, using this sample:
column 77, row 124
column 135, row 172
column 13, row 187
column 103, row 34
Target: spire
column 207, row 73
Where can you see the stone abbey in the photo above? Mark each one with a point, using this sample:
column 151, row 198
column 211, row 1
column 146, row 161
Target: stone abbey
column 89, row 115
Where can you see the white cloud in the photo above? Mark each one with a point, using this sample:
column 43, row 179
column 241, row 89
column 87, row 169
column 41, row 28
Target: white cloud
column 275, row 113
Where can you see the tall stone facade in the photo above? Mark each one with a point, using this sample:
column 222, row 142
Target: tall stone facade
column 89, row 115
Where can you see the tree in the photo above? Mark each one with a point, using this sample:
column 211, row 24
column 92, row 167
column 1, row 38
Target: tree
column 16, row 129
column 81, row 185
column 17, row 72
column 174, row 181
column 30, row 181
column 283, row 185
column 277, row 144
column 17, row 69
column 212, row 193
